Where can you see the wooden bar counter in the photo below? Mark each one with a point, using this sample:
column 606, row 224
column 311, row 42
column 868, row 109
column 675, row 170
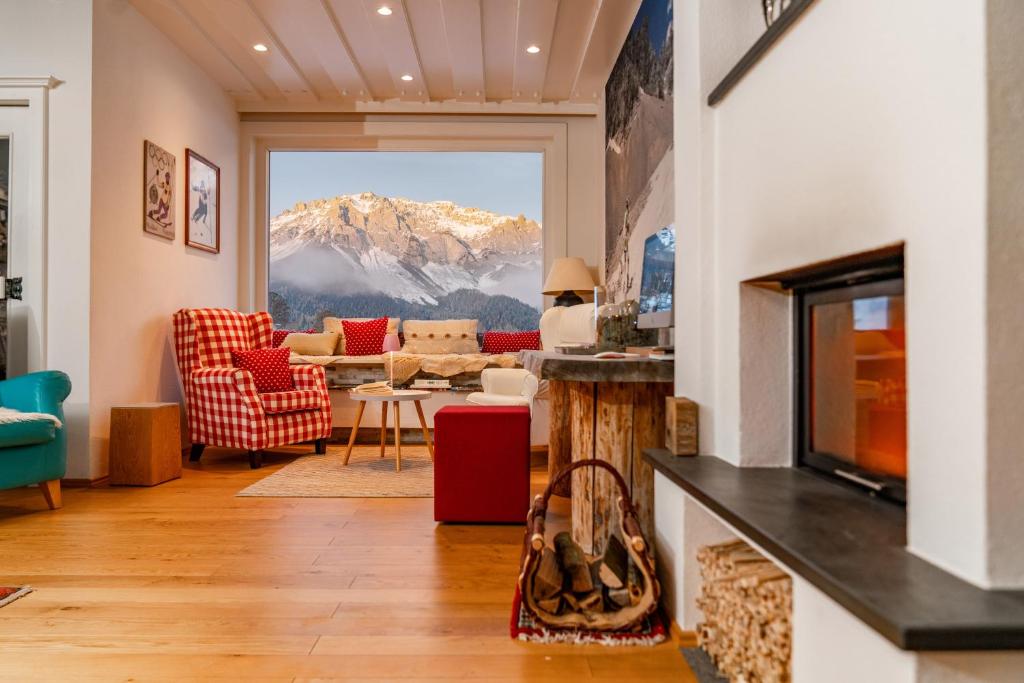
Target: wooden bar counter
column 611, row 410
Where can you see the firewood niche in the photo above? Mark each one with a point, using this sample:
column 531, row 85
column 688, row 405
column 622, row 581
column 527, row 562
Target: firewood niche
column 748, row 610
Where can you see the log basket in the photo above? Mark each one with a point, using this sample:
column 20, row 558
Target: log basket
column 627, row 618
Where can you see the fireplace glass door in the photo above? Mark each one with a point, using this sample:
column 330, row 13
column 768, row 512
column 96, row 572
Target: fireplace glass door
column 853, row 385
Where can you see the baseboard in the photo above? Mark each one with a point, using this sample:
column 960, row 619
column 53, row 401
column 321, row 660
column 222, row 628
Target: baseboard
column 85, row 483
column 681, row 637
column 370, row 436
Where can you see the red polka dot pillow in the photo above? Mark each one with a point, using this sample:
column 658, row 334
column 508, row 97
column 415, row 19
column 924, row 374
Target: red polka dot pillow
column 269, row 368
column 511, row 342
column 365, row 338
column 279, row 335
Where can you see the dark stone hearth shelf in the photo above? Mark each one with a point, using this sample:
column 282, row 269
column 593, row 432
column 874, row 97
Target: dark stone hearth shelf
column 852, row 548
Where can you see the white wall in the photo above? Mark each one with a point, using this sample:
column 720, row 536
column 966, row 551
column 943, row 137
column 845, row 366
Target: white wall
column 145, row 88
column 831, row 146
column 55, row 38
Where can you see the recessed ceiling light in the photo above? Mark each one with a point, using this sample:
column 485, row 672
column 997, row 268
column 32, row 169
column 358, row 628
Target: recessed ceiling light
column 260, row 47
column 406, row 77
column 533, row 49
column 384, row 11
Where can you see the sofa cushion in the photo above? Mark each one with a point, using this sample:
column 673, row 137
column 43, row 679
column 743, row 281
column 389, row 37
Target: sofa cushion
column 511, row 342
column 440, row 336
column 364, row 338
column 278, row 402
column 280, row 335
column 311, row 344
column 332, row 324
column 26, row 433
column 269, row 367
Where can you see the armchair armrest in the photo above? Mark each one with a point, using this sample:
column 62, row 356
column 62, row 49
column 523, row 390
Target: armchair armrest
column 36, row 392
column 310, row 377
column 226, row 388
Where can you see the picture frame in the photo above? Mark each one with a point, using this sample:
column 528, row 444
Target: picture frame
column 202, row 203
column 159, row 195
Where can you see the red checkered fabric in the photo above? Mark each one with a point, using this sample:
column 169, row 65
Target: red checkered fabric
column 279, row 336
column 269, row 368
column 289, row 401
column 364, row 338
column 511, row 342
column 224, row 408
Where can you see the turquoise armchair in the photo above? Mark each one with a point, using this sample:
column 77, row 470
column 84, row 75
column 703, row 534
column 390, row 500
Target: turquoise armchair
column 34, row 452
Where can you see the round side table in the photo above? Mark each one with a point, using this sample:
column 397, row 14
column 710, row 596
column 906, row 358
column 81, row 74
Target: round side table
column 395, row 399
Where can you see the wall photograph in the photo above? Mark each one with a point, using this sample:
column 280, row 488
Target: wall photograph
column 639, row 197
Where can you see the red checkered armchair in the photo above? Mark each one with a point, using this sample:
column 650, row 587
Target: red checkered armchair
column 224, row 408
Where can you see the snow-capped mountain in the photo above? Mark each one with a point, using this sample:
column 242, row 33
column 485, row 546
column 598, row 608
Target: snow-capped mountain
column 404, row 249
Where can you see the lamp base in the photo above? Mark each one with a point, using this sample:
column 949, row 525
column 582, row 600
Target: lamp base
column 568, row 298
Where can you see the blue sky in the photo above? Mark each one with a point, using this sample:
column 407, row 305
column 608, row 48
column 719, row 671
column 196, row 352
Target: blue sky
column 659, row 14
column 503, row 182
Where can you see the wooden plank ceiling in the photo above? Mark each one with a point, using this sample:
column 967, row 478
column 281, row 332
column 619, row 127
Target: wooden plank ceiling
column 338, row 54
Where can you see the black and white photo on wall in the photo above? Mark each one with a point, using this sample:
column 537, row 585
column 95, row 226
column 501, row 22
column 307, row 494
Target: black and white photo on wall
column 202, row 203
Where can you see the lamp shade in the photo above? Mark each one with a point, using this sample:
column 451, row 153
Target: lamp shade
column 391, row 343
column 568, row 274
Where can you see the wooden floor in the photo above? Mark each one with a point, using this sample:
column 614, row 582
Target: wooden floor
column 185, row 581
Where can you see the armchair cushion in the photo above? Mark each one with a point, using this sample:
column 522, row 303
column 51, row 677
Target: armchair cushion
column 269, row 367
column 291, row 401
column 26, row 433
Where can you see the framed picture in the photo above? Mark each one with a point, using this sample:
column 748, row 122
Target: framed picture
column 202, row 203
column 158, row 191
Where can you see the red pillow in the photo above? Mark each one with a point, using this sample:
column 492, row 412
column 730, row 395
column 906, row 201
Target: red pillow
column 510, row 342
column 269, row 368
column 279, row 335
column 365, row 339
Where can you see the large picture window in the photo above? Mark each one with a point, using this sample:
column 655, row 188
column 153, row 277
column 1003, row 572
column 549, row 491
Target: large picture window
column 415, row 235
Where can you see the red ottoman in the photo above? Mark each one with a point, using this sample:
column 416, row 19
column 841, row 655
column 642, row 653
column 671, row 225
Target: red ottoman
column 482, row 464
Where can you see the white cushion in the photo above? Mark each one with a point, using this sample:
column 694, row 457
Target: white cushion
column 480, row 398
column 440, row 336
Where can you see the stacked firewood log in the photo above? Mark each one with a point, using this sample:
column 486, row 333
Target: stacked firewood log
column 747, row 603
column 568, row 580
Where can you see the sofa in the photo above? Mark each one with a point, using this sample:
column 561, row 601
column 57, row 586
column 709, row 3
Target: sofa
column 34, row 451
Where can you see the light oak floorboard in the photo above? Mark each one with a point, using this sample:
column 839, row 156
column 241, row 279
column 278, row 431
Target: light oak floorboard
column 187, row 582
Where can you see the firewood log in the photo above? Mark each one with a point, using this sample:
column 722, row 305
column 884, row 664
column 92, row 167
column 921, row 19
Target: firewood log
column 619, row 597
column 574, row 563
column 634, row 584
column 592, row 602
column 614, row 564
column 547, row 581
column 551, row 605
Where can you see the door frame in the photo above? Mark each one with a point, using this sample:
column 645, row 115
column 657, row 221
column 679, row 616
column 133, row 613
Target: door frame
column 34, row 93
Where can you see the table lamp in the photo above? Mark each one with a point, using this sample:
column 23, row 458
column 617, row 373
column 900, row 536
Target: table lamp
column 568, row 275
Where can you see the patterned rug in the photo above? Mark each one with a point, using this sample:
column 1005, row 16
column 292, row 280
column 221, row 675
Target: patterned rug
column 524, row 627
column 9, row 594
column 367, row 475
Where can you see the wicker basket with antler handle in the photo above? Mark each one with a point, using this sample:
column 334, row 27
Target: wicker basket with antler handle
column 624, row 619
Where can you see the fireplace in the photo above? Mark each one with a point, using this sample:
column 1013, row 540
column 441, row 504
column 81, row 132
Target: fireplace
column 850, row 345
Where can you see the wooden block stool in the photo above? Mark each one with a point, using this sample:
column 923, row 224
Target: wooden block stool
column 145, row 444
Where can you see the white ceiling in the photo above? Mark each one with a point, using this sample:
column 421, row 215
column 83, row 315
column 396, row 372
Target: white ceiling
column 342, row 54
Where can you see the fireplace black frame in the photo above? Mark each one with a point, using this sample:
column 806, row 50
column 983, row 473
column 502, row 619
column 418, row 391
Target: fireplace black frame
column 844, row 282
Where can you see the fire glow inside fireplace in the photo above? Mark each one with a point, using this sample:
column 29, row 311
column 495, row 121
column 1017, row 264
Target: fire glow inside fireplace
column 851, row 361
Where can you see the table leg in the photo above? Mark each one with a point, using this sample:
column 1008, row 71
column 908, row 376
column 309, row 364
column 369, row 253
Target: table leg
column 355, row 430
column 426, row 432
column 398, row 437
column 383, row 426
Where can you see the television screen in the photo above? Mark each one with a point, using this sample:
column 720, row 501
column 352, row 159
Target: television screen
column 658, row 275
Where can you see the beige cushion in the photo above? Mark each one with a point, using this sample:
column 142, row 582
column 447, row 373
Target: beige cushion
column 440, row 336
column 332, row 324
column 317, row 344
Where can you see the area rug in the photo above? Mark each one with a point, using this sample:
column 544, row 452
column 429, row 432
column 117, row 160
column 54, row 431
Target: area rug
column 9, row 594
column 367, row 475
column 525, row 627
